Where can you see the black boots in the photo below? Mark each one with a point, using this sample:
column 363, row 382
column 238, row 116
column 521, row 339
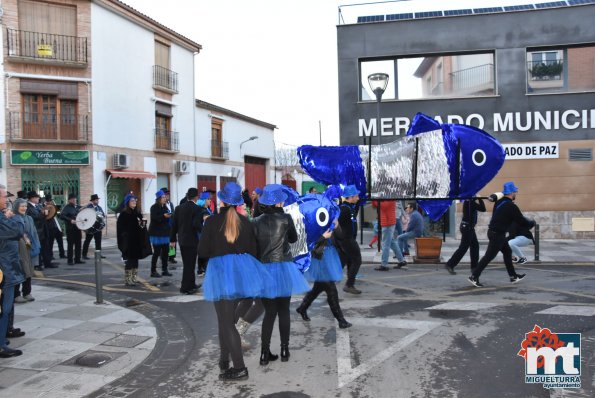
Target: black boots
column 233, row 374
column 333, row 302
column 284, row 352
column 303, row 308
column 266, row 356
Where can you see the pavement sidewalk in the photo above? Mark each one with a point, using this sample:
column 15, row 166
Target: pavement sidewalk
column 72, row 346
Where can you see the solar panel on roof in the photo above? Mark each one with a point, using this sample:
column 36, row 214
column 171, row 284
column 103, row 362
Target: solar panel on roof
column 398, row 17
column 449, row 13
column 487, row 10
column 428, row 14
column 551, row 4
column 370, row 18
column 579, row 2
column 519, row 8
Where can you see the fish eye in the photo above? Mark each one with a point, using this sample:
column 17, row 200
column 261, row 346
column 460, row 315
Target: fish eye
column 322, row 216
column 479, row 157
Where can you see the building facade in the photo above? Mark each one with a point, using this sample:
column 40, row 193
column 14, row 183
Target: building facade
column 525, row 74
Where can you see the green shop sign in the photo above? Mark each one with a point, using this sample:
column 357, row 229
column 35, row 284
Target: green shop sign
column 32, row 157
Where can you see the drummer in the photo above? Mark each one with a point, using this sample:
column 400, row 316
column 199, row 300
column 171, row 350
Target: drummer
column 95, row 232
column 73, row 234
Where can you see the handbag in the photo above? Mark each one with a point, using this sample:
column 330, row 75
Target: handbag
column 172, row 251
column 146, row 248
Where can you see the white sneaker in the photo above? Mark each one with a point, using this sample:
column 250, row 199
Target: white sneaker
column 20, row 300
column 29, row 298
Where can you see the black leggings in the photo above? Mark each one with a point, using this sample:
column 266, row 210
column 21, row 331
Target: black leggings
column 272, row 308
column 26, row 288
column 160, row 251
column 229, row 338
column 131, row 263
column 249, row 310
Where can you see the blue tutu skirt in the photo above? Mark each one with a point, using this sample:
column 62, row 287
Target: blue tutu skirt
column 287, row 280
column 159, row 240
column 235, row 276
column 327, row 269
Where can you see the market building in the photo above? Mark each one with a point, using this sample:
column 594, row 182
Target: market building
column 525, row 74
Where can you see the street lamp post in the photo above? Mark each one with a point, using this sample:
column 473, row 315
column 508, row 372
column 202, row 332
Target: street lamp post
column 378, row 83
column 249, row 139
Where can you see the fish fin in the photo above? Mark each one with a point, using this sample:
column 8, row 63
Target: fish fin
column 435, row 208
column 422, row 124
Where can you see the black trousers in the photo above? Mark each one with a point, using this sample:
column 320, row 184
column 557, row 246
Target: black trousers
column 272, row 308
column 88, row 238
column 56, row 235
column 189, row 255
column 249, row 309
column 497, row 243
column 160, row 251
column 45, row 252
column 468, row 241
column 229, row 338
column 73, row 242
column 26, row 288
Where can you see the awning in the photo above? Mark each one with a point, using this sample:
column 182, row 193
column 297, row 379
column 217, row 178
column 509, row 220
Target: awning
column 131, row 174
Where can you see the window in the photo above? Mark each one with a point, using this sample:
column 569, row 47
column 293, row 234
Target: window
column 216, row 138
column 48, row 117
column 36, row 16
column 161, row 54
column 563, row 69
column 163, row 76
column 442, row 75
column 164, row 137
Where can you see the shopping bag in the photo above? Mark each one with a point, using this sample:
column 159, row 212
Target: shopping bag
column 146, row 249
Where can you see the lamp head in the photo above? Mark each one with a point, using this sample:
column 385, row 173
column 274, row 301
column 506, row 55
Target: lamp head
column 378, row 83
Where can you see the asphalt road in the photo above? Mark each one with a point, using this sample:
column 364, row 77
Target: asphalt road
column 416, row 333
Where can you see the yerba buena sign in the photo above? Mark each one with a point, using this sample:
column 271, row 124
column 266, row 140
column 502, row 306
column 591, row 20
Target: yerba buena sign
column 41, row 158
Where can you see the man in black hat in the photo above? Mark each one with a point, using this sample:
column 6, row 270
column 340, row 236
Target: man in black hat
column 186, row 226
column 95, row 234
column 35, row 211
column 170, row 206
column 73, row 234
column 21, row 195
column 54, row 229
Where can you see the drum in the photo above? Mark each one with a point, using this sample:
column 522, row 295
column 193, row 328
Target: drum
column 90, row 221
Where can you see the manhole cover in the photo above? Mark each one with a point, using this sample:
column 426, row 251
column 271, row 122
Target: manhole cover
column 94, row 360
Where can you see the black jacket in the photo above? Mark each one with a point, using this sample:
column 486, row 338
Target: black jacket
column 274, row 232
column 504, row 214
column 187, row 224
column 517, row 230
column 213, row 243
column 159, row 225
column 470, row 209
column 69, row 213
column 38, row 220
column 129, row 233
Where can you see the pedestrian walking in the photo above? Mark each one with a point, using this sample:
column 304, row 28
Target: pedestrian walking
column 325, row 270
column 129, row 231
column 229, row 242
column 468, row 235
column 504, row 214
column 159, row 231
column 204, row 202
column 345, row 238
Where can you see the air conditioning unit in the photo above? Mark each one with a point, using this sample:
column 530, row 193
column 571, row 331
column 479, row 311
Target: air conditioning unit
column 182, row 167
column 121, row 161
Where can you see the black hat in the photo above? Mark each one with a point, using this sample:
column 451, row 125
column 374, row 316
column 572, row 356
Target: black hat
column 9, row 194
column 94, row 197
column 71, row 196
column 48, row 197
column 32, row 194
column 21, row 194
column 192, row 193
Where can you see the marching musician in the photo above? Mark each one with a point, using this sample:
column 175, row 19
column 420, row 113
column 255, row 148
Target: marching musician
column 95, row 233
column 73, row 234
column 38, row 215
column 54, row 228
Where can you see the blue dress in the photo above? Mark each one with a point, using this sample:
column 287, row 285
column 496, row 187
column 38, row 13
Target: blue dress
column 287, row 280
column 327, row 269
column 235, row 276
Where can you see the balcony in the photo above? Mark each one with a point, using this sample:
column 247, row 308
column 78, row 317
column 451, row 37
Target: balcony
column 164, row 78
column 219, row 150
column 50, row 128
column 46, row 47
column 546, row 70
column 166, row 141
column 475, row 80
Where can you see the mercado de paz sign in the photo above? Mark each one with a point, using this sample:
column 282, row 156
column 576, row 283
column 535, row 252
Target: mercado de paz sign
column 503, row 122
column 33, row 157
column 540, row 150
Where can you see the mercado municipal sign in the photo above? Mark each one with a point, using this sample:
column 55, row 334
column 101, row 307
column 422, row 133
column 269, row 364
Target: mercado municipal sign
column 570, row 119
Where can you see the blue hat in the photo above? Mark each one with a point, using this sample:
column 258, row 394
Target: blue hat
column 231, row 194
column 272, row 194
column 159, row 194
column 509, row 188
column 128, row 197
column 258, row 190
column 350, row 190
column 205, row 195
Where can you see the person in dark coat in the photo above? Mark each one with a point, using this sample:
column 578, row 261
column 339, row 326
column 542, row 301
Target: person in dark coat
column 171, row 208
column 186, row 228
column 38, row 215
column 159, row 231
column 256, row 210
column 468, row 235
column 73, row 233
column 130, row 238
column 504, row 214
column 96, row 234
column 54, row 229
column 345, row 238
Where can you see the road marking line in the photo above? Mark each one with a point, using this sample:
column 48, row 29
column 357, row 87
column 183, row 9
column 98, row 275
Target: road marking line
column 569, row 310
column 463, row 306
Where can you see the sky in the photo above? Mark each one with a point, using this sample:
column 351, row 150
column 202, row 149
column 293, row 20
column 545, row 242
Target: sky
column 276, row 60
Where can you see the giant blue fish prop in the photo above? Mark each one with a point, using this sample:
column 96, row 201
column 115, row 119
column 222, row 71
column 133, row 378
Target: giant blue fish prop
column 312, row 215
column 434, row 164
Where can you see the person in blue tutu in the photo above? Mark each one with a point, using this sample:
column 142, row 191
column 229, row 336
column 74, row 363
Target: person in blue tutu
column 229, row 243
column 325, row 269
column 159, row 230
column 274, row 232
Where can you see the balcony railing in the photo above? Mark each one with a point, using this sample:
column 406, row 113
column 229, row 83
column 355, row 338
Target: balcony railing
column 546, row 70
column 474, row 79
column 219, row 149
column 163, row 77
column 46, row 46
column 167, row 140
column 50, row 127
